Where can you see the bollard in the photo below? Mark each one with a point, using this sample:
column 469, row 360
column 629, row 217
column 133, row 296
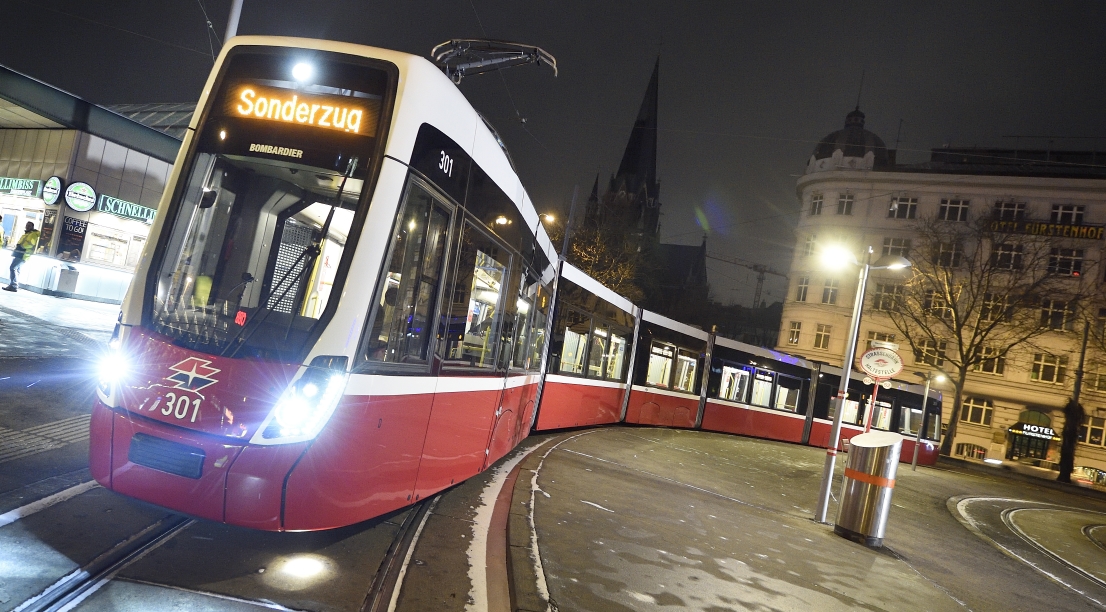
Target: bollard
column 869, row 482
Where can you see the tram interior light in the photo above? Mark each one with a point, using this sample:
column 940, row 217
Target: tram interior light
column 303, row 71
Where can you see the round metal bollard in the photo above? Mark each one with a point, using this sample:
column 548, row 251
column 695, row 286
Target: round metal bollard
column 869, row 482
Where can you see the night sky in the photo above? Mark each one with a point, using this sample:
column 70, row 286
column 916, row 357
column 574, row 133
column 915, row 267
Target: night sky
column 746, row 89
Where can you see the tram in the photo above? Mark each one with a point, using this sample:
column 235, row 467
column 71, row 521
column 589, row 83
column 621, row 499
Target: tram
column 350, row 304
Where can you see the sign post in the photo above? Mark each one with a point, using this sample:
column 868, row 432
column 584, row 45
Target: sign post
column 881, row 364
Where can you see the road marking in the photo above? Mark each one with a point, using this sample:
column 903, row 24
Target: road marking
column 41, row 438
column 24, row 511
column 478, row 546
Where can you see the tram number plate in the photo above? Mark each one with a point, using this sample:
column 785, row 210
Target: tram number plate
column 179, row 406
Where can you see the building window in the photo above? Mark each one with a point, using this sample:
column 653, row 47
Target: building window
column 829, row 292
column 896, row 246
column 1096, row 379
column 1009, row 211
column 887, row 297
column 793, row 332
column 845, row 204
column 880, row 337
column 992, row 308
column 936, row 305
column 971, row 451
column 815, row 204
column 810, row 245
column 1067, row 214
column 1057, row 315
column 949, row 254
column 800, row 293
column 976, row 410
column 903, row 208
column 822, row 336
column 1068, row 262
column 1049, row 368
column 1005, row 256
column 931, row 352
column 953, row 210
column 991, row 362
column 1091, row 431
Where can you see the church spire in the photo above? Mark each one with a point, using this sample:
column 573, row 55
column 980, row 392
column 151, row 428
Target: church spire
column 639, row 162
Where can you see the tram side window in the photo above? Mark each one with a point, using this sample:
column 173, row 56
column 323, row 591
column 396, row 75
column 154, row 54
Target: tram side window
column 616, row 357
column 475, row 314
column 911, row 419
column 577, row 327
column 400, row 329
column 883, row 415
column 787, row 392
column 600, row 340
column 660, row 364
column 735, row 384
column 537, row 326
column 762, row 388
column 687, row 364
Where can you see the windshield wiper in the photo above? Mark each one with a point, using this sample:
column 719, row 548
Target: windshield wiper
column 312, row 253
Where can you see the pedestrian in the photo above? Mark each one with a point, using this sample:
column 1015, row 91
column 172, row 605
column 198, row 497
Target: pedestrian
column 21, row 253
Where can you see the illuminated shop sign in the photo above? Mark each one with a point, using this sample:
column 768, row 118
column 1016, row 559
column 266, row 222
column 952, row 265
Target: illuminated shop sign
column 1034, row 431
column 1055, row 230
column 297, row 108
column 51, row 190
column 125, row 209
column 19, row 186
column 81, row 197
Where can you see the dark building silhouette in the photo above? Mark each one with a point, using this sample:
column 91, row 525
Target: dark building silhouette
column 673, row 276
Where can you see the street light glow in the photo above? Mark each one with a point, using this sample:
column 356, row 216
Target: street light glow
column 940, row 378
column 836, row 257
column 549, row 218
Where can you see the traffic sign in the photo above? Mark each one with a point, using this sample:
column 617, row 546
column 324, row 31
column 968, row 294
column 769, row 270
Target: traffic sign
column 881, row 363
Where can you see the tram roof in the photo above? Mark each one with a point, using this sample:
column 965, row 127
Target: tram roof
column 27, row 103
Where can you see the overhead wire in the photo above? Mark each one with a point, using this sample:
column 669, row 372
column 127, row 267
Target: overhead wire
column 113, row 27
column 210, row 31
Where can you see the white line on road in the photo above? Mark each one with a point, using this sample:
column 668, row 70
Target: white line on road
column 24, row 511
column 597, row 506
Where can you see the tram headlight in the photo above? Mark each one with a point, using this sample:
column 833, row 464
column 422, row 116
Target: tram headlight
column 111, row 369
column 304, row 407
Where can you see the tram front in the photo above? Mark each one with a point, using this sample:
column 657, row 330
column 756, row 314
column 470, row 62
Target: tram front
column 206, row 399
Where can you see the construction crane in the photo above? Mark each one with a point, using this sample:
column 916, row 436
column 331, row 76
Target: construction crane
column 761, row 270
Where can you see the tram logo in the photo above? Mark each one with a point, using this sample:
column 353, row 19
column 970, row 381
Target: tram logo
column 193, row 374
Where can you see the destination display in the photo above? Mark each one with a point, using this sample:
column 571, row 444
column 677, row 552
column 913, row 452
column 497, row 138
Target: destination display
column 1054, row 230
column 340, row 113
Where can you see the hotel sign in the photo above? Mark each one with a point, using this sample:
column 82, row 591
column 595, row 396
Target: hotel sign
column 1034, row 431
column 19, row 186
column 1052, row 230
column 125, row 209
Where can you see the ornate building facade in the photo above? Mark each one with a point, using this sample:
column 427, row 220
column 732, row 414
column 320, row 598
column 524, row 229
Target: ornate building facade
column 855, row 194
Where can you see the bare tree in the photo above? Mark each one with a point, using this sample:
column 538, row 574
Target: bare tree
column 977, row 292
column 608, row 255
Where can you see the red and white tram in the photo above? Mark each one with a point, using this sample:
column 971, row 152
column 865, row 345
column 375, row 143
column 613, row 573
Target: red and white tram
column 347, row 303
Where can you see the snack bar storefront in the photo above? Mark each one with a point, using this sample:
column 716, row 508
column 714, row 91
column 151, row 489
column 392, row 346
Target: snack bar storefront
column 89, row 179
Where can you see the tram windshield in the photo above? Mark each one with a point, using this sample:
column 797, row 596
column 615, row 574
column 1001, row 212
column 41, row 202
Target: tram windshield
column 267, row 208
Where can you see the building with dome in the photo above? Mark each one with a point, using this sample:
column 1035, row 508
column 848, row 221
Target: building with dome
column 854, row 193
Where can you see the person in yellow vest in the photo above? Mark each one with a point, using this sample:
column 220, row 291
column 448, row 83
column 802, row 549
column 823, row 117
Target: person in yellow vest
column 21, row 253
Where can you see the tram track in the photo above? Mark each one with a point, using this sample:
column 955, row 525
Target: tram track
column 70, row 590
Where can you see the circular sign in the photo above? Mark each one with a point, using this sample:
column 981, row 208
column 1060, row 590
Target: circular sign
column 881, row 363
column 81, row 197
column 885, row 384
column 51, row 189
column 868, row 380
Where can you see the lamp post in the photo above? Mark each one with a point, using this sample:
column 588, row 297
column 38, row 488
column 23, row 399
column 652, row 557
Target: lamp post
column 929, row 378
column 839, row 257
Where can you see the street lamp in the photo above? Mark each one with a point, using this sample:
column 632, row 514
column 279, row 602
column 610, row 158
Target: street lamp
column 548, row 218
column 929, row 377
column 838, row 257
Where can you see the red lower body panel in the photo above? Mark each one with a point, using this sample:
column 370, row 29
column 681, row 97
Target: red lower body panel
column 456, row 439
column 927, row 452
column 363, row 464
column 256, row 482
column 201, row 497
column 577, row 405
column 648, row 408
column 820, row 433
column 100, row 443
column 747, row 422
column 512, row 423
